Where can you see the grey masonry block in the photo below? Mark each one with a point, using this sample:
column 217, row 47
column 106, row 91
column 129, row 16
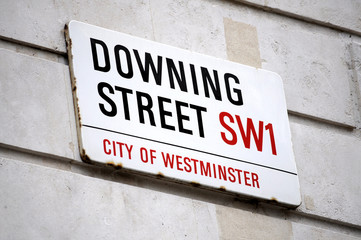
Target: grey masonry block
column 36, row 110
column 42, row 22
column 328, row 164
column 239, row 224
column 356, row 79
column 46, row 203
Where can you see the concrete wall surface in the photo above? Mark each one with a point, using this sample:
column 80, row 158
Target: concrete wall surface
column 47, row 192
column 343, row 15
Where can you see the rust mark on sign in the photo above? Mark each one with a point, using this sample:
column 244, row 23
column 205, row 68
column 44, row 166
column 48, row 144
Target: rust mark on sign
column 68, row 43
column 160, row 175
column 222, row 188
column 69, row 46
column 114, row 165
column 119, row 166
column 78, row 111
column 195, row 184
column 85, row 156
column 273, row 199
column 74, row 84
column 110, row 163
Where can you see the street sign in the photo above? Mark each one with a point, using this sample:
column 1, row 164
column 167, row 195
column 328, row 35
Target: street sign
column 161, row 110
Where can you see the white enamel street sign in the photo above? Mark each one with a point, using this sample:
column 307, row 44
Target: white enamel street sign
column 161, row 110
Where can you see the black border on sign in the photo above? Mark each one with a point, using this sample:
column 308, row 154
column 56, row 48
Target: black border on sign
column 174, row 145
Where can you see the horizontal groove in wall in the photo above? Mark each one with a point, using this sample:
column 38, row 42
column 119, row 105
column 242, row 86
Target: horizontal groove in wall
column 321, row 120
column 299, row 17
column 34, row 46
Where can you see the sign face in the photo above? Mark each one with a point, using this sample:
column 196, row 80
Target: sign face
column 161, row 110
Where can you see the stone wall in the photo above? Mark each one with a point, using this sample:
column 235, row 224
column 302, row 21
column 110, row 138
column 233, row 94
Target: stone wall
column 48, row 193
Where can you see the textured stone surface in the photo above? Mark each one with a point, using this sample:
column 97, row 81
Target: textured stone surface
column 313, row 63
column 344, row 14
column 329, row 167
column 356, row 79
column 44, row 203
column 239, row 224
column 42, row 22
column 36, row 112
column 193, row 25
